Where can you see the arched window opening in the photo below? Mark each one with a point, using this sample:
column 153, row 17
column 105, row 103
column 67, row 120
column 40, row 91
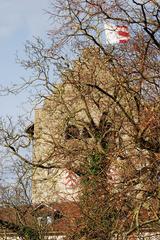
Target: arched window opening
column 85, row 133
column 72, row 132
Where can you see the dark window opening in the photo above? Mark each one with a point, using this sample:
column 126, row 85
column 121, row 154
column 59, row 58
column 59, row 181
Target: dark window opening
column 57, row 214
column 85, row 133
column 72, row 132
column 30, row 130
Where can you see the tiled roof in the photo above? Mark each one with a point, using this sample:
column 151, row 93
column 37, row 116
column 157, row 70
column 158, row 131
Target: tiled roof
column 56, row 218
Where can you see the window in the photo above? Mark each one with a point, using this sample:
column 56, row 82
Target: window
column 30, row 130
column 85, row 133
column 49, row 218
column 57, row 214
column 72, row 132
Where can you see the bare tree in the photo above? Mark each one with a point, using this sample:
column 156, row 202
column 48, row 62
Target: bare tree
column 107, row 107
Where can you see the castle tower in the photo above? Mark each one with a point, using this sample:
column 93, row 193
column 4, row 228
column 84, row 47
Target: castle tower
column 67, row 127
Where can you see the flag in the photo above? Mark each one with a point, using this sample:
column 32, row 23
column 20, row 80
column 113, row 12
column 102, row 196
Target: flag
column 116, row 34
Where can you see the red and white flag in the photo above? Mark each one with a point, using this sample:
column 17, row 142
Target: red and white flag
column 116, row 34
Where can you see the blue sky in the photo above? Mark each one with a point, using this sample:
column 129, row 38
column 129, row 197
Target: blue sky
column 20, row 20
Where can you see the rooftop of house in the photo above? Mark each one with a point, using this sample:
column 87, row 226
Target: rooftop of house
column 56, row 218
